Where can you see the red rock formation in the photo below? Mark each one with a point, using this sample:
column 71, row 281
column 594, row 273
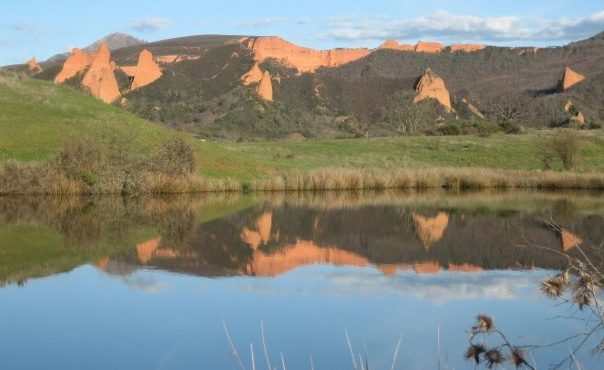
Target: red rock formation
column 570, row 78
column 431, row 86
column 467, row 48
column 300, row 254
column 145, row 72
column 569, row 240
column 473, row 109
column 303, row 59
column 100, row 80
column 265, row 87
column 77, row 62
column 253, row 76
column 429, row 47
column 394, row 45
column 430, row 229
column 577, row 118
column 568, row 106
column 33, row 66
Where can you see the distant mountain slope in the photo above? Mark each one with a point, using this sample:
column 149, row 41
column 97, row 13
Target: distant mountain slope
column 114, row 41
column 210, row 85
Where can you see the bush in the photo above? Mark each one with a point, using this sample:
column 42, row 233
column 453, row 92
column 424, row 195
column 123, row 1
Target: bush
column 175, row 157
column 566, row 145
column 449, row 130
column 80, row 160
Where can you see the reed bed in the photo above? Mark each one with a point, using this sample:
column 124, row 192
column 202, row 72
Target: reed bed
column 446, row 178
column 41, row 179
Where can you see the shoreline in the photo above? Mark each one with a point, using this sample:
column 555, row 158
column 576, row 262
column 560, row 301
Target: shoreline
column 322, row 179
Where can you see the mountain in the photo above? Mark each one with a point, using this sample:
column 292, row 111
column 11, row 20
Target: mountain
column 114, row 41
column 264, row 86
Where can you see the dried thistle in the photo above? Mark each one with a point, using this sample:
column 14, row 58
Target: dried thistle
column 483, row 324
column 556, row 285
column 474, row 352
column 517, row 357
column 582, row 298
column 493, row 357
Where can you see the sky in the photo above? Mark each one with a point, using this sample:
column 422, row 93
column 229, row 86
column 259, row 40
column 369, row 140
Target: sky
column 43, row 28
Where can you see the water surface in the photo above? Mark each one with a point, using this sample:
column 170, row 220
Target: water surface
column 120, row 283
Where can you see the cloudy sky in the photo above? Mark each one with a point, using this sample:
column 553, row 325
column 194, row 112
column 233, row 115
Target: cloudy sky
column 44, row 28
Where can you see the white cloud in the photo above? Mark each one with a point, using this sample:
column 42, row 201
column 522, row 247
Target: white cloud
column 149, row 25
column 28, row 28
column 270, row 21
column 447, row 26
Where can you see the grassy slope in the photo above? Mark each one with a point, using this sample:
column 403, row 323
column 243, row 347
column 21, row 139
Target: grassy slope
column 498, row 151
column 37, row 118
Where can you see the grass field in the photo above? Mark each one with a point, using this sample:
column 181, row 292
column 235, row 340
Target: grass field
column 37, row 119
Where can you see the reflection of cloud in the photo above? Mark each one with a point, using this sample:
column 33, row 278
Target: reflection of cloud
column 145, row 284
column 437, row 288
column 149, row 25
column 443, row 24
column 369, row 281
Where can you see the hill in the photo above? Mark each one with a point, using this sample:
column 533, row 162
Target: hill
column 209, row 85
column 114, row 41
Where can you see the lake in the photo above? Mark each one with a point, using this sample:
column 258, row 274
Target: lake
column 151, row 283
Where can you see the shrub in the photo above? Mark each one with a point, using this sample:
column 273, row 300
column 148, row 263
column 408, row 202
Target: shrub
column 80, row 160
column 566, row 145
column 175, row 157
column 449, row 130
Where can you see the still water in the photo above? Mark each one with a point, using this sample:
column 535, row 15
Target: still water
column 117, row 283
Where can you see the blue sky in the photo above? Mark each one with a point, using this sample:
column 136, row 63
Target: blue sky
column 44, row 28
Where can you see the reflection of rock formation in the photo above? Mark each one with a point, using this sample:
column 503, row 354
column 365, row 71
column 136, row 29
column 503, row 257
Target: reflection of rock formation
column 262, row 233
column 299, row 254
column 146, row 250
column 569, row 240
column 429, row 267
column 430, row 229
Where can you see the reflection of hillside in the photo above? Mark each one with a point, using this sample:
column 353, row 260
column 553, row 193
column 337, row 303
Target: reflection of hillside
column 218, row 236
column 269, row 242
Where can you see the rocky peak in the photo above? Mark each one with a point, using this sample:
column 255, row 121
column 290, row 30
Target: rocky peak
column 77, row 61
column 429, row 47
column 33, row 66
column 431, row 86
column 100, row 80
column 254, row 75
column 570, row 78
column 394, row 45
column 265, row 87
column 146, row 70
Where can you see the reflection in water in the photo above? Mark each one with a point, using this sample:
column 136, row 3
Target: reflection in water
column 375, row 263
column 233, row 235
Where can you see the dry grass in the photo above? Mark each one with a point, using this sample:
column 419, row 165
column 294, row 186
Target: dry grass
column 448, row 178
column 44, row 178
